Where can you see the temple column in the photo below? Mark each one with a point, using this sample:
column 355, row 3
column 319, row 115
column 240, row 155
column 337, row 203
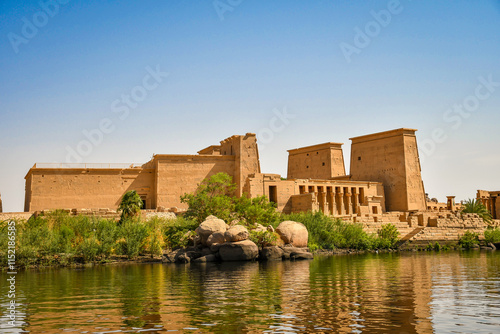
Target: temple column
column 322, row 201
column 354, row 202
column 332, row 206
column 340, row 202
column 348, row 204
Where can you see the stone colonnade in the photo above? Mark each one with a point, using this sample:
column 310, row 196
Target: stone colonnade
column 337, row 200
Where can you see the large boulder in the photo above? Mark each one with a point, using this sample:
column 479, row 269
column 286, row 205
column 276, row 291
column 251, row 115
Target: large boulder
column 238, row 251
column 293, row 233
column 216, row 238
column 236, row 233
column 211, row 225
column 271, row 253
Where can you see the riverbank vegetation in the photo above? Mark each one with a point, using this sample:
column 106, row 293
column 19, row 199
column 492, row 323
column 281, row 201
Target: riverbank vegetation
column 59, row 238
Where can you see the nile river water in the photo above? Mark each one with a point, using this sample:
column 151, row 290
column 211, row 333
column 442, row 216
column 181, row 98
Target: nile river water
column 447, row 292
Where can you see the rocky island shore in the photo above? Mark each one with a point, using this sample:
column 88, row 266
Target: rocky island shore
column 217, row 241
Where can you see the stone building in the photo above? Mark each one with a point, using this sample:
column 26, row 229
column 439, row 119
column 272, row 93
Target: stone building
column 385, row 176
column 391, row 157
column 160, row 182
column 491, row 200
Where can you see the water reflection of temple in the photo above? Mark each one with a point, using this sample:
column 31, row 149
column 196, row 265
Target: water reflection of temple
column 375, row 293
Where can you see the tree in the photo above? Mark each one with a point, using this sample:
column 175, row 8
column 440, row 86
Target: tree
column 213, row 197
column 257, row 210
column 475, row 206
column 130, row 205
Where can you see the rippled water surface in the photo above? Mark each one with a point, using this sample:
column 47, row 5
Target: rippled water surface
column 372, row 293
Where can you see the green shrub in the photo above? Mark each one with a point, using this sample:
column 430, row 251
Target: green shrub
column 492, row 235
column 155, row 241
column 264, row 238
column 83, row 226
column 213, row 197
column 434, row 247
column 61, row 240
column 328, row 233
column 437, row 246
column 319, row 227
column 175, row 232
column 133, row 237
column 256, row 210
column 35, row 237
column 469, row 240
column 388, row 236
column 107, row 234
column 89, row 248
column 312, row 246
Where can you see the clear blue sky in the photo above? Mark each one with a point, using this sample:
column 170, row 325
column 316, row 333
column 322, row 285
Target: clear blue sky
column 233, row 64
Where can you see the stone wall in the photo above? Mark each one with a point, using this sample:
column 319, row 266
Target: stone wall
column 59, row 188
column 391, row 157
column 180, row 174
column 103, row 213
column 304, row 203
column 491, row 200
column 15, row 215
column 427, row 226
column 160, row 182
column 163, row 215
column 322, row 161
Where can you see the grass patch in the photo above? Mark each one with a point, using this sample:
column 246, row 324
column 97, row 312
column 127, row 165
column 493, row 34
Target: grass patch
column 60, row 239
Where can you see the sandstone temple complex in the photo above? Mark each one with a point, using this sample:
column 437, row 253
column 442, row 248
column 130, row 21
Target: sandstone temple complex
column 384, row 176
column 384, row 183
